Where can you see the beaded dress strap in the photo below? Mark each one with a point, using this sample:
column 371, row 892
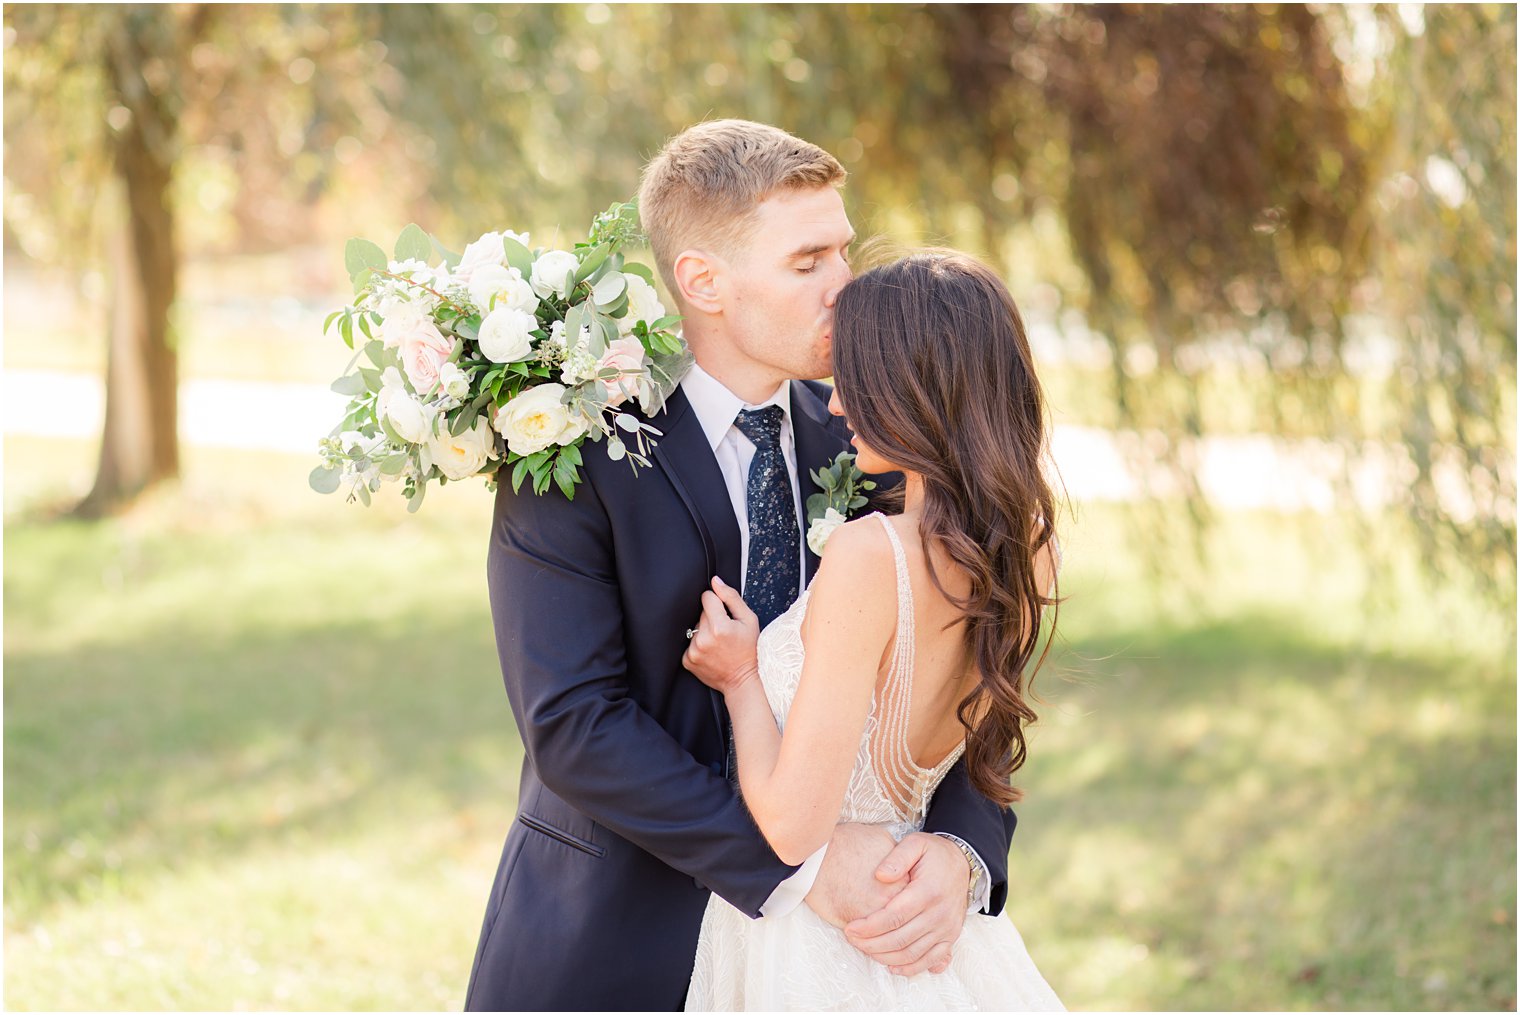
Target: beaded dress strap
column 907, row 784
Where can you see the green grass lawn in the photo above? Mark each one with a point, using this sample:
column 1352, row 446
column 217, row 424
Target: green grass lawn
column 257, row 755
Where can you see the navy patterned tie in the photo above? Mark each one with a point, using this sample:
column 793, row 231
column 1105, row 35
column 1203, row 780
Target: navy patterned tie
column 774, row 569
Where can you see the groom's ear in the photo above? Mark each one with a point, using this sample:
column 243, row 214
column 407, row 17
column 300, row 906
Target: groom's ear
column 696, row 273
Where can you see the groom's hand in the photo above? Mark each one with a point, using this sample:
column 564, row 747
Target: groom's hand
column 915, row 931
column 845, row 889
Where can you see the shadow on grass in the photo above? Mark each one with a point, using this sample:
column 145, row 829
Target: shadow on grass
column 1272, row 821
column 135, row 757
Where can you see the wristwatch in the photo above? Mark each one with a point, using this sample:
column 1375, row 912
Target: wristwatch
column 974, row 884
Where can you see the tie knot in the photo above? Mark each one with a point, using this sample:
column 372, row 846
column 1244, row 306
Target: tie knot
column 761, row 426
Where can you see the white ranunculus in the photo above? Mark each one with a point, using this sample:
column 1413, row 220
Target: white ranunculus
column 504, row 283
column 537, row 419
column 506, row 335
column 550, row 271
column 822, row 528
column 463, row 456
column 643, row 304
column 455, row 382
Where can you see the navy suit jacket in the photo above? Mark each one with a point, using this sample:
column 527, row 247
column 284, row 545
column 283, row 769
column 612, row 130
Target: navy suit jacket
column 626, row 816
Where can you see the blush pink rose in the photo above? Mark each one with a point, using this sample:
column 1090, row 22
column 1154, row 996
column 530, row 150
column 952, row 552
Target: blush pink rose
column 424, row 351
column 626, row 356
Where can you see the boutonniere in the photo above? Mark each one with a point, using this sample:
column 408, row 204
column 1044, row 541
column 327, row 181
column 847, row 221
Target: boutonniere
column 844, row 488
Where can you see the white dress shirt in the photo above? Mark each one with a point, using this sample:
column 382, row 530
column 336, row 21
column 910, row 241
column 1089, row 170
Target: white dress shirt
column 716, row 408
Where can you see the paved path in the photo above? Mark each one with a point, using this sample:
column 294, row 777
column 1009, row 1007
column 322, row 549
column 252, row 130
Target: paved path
column 1247, row 471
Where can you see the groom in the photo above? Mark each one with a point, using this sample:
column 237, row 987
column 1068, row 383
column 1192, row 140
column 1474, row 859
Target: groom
column 628, row 817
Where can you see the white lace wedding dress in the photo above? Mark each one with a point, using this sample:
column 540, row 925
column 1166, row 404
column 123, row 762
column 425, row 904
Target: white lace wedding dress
column 797, row 962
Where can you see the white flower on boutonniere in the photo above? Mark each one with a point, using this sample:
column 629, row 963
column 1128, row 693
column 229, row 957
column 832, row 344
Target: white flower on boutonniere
column 844, row 488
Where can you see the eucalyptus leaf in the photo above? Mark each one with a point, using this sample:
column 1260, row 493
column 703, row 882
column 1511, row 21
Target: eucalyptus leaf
column 592, row 262
column 363, row 492
column 607, row 291
column 642, row 271
column 574, row 319
column 375, row 350
column 349, row 384
column 393, row 465
column 359, row 254
column 462, row 422
column 325, row 480
column 415, row 501
column 451, row 260
column 413, row 244
column 371, row 378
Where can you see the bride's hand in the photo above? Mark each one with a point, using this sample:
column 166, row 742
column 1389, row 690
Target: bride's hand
column 722, row 652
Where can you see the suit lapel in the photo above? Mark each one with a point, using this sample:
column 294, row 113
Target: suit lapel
column 817, row 445
column 687, row 459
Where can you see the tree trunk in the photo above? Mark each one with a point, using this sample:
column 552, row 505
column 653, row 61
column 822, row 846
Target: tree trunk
column 140, row 445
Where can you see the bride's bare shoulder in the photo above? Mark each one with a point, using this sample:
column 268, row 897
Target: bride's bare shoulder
column 856, row 578
column 859, row 547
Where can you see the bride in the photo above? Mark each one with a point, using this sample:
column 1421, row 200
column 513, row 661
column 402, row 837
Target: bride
column 913, row 644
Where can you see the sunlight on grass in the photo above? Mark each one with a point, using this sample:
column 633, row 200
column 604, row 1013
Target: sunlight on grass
column 258, row 756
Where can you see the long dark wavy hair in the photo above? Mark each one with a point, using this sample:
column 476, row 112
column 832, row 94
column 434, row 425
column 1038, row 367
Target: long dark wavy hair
column 936, row 375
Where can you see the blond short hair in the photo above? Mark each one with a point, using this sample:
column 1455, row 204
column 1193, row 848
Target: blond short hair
column 703, row 188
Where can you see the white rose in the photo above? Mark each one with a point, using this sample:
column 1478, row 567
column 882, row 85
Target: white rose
column 643, row 304
column 550, row 271
column 455, row 382
column 506, row 335
column 822, row 528
column 537, row 419
column 506, row 284
column 463, row 456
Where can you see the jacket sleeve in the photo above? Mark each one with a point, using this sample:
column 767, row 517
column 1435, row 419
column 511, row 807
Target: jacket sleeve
column 557, row 610
column 958, row 808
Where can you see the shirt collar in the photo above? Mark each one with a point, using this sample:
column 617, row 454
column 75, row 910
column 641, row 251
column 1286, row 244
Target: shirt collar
column 716, row 406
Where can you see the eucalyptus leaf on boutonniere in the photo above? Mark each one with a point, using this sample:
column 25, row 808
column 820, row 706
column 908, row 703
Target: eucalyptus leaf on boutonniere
column 844, row 492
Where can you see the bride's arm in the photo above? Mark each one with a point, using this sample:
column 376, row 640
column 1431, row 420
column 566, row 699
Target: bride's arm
column 794, row 784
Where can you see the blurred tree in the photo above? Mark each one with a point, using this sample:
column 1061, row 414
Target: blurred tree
column 107, row 100
column 1446, row 273
column 129, row 63
column 1303, row 195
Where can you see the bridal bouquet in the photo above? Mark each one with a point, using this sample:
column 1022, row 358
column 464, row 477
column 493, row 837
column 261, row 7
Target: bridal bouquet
column 504, row 354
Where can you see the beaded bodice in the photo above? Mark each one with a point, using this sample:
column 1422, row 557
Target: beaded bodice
column 886, row 786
